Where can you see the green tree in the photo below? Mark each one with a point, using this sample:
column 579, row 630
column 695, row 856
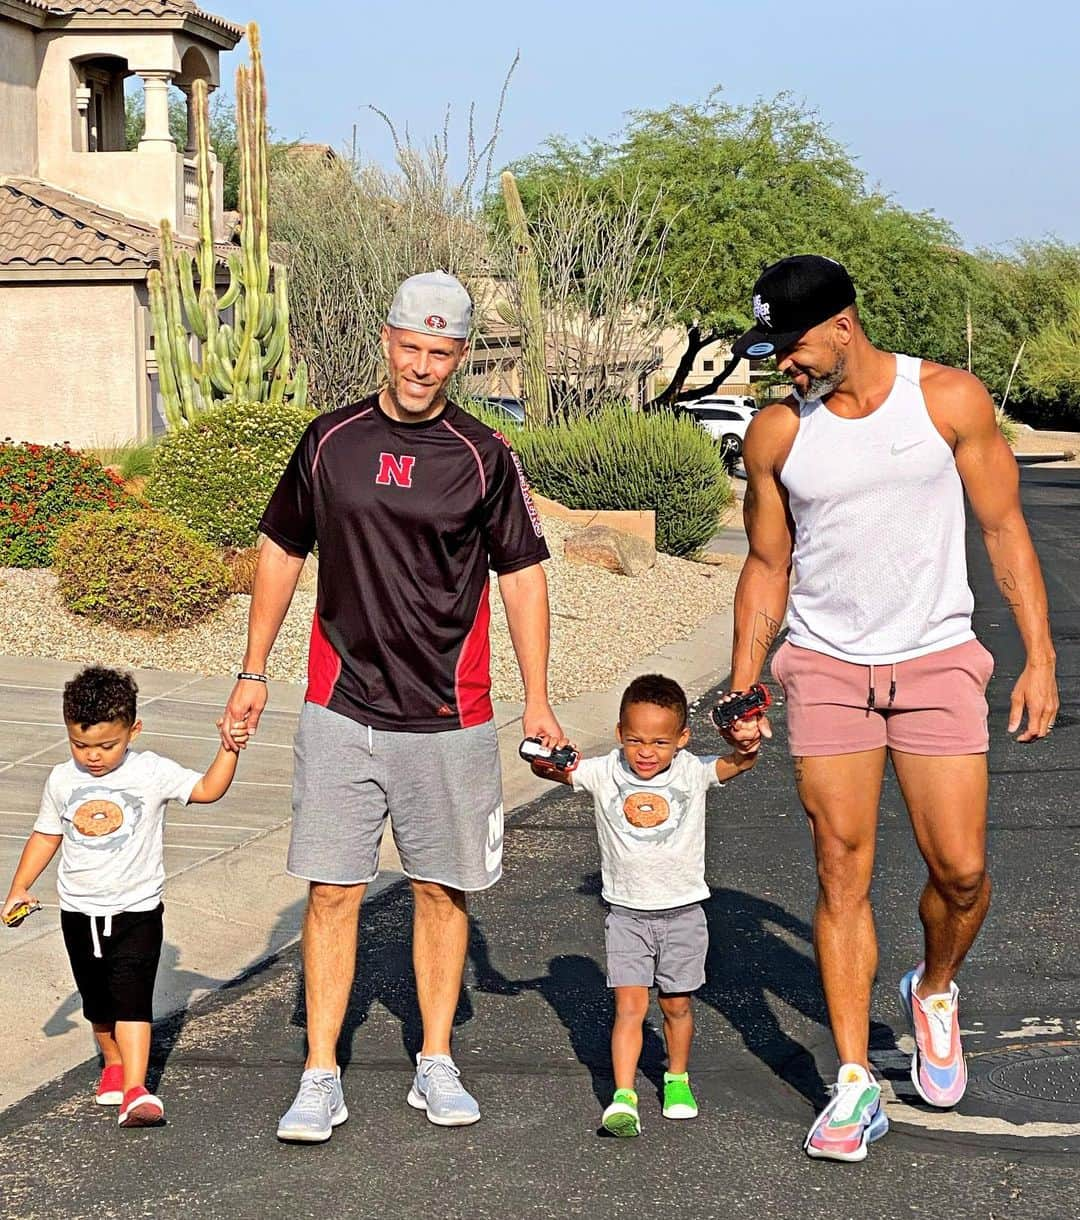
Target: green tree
column 222, row 133
column 743, row 186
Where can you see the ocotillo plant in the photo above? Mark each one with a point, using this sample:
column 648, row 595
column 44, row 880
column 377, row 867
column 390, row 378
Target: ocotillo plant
column 248, row 359
column 530, row 310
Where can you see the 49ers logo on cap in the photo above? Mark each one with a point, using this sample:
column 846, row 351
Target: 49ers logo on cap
column 435, row 321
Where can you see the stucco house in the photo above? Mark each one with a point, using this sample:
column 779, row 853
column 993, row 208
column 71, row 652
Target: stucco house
column 79, row 213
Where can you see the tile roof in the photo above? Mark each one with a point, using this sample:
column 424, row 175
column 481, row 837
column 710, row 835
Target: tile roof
column 43, row 227
column 139, row 8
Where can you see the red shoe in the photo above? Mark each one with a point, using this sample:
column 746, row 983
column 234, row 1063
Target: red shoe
column 110, row 1090
column 141, row 1109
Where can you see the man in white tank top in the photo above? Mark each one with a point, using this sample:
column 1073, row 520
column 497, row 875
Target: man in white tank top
column 855, row 518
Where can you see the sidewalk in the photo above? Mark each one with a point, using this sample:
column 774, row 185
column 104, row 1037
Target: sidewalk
column 229, row 904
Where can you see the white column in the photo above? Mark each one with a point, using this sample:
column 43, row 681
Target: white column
column 156, row 137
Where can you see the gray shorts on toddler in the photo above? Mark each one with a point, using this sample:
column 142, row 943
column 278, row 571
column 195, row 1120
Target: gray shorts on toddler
column 664, row 949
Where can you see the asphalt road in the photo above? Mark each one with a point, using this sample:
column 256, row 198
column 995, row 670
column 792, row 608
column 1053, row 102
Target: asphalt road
column 533, row 1027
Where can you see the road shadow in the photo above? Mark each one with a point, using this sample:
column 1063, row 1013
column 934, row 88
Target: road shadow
column 384, row 976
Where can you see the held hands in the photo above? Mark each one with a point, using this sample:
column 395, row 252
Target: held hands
column 238, row 734
column 241, row 716
column 745, row 735
column 1036, row 692
column 538, row 720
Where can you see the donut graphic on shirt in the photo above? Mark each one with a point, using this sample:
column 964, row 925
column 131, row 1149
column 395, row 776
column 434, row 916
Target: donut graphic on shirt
column 102, row 818
column 646, row 810
column 647, row 814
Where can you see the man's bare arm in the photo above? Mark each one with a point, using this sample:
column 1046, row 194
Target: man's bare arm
column 761, row 594
column 525, row 598
column 276, row 575
column 991, row 479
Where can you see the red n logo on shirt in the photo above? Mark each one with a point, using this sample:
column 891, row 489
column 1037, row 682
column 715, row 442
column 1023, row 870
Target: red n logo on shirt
column 394, row 469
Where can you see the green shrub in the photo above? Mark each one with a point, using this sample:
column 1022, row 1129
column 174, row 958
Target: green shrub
column 132, row 460
column 1008, row 426
column 42, row 489
column 138, row 569
column 623, row 459
column 217, row 473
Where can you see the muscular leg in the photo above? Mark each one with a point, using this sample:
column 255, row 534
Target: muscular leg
column 440, row 940
column 840, row 794
column 631, row 1005
column 329, row 946
column 678, row 1013
column 946, row 798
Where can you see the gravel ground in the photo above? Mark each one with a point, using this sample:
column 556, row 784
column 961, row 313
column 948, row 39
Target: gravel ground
column 600, row 624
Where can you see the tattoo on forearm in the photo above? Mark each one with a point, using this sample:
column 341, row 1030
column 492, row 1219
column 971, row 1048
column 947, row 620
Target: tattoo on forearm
column 1010, row 589
column 765, row 631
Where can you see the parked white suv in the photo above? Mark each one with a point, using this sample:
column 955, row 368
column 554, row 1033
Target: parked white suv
column 725, row 424
column 738, row 402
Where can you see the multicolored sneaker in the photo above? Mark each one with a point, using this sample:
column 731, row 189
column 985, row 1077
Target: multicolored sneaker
column 110, row 1090
column 679, row 1101
column 938, row 1070
column 853, row 1118
column 621, row 1117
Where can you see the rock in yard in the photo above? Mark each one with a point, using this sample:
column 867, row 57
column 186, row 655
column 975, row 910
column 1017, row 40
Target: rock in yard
column 604, row 547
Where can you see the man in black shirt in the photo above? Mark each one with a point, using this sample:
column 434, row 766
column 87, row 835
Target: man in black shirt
column 410, row 501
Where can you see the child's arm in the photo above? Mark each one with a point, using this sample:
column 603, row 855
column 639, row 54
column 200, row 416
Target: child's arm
column 728, row 766
column 219, row 775
column 37, row 853
column 546, row 770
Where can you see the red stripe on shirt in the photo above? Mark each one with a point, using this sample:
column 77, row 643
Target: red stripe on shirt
column 475, row 452
column 335, row 428
column 324, row 665
column 472, row 675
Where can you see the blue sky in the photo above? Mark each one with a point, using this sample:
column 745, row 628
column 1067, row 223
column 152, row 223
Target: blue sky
column 964, row 108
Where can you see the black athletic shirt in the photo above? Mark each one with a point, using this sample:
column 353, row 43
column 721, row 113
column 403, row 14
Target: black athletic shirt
column 408, row 517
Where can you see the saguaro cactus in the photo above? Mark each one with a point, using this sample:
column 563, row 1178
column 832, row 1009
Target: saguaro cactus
column 247, row 359
column 531, row 315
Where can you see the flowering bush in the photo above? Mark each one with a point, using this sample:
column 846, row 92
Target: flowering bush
column 217, row 473
column 42, row 489
column 138, row 569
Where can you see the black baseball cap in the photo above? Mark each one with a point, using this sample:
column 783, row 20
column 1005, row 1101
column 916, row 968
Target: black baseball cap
column 790, row 298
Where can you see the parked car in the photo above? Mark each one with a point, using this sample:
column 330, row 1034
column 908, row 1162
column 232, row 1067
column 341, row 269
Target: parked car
column 513, row 407
column 737, row 402
column 727, row 425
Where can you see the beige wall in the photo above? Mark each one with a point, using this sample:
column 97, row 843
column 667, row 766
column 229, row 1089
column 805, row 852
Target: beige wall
column 674, row 344
column 147, row 185
column 71, row 363
column 18, row 109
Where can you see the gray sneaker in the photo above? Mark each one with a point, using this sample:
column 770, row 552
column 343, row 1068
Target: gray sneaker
column 437, row 1088
column 318, row 1108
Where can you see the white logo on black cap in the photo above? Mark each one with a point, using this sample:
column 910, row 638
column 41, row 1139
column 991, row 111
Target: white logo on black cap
column 761, row 311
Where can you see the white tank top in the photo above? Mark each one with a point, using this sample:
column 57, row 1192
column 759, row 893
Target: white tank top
column 879, row 566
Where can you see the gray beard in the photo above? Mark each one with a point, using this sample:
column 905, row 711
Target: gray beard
column 820, row 386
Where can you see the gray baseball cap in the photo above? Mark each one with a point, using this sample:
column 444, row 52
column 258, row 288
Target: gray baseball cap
column 432, row 303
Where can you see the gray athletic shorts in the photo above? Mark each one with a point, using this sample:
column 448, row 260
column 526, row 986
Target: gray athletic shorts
column 441, row 791
column 664, row 949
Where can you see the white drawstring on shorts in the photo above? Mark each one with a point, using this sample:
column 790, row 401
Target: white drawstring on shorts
column 106, row 930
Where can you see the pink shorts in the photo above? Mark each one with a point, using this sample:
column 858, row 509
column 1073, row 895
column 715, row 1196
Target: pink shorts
column 929, row 705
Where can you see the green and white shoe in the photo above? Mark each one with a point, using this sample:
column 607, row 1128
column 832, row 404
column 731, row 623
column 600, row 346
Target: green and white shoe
column 621, row 1117
column 679, row 1101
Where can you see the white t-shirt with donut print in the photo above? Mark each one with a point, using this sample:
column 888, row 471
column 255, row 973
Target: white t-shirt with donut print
column 651, row 832
column 112, row 853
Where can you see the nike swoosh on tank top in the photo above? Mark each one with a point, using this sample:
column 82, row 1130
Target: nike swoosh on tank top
column 879, row 563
